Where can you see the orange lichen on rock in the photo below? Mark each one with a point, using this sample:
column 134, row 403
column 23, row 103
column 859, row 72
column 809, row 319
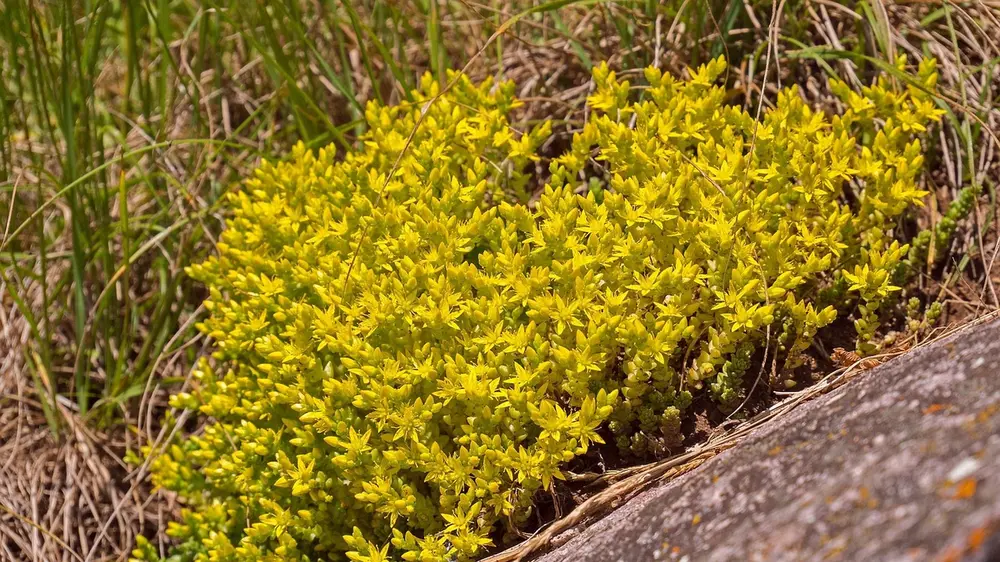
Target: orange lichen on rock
column 977, row 537
column 935, row 408
column 965, row 489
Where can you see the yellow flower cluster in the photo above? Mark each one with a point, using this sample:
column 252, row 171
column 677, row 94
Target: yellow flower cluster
column 407, row 354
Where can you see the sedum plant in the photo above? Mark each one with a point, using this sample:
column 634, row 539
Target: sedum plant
column 406, row 355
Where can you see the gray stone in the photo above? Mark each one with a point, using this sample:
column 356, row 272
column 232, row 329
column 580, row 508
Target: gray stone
column 901, row 463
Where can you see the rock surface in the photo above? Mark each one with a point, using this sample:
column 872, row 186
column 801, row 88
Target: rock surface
column 901, row 463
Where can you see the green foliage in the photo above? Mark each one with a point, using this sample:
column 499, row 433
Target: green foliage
column 407, row 355
column 944, row 231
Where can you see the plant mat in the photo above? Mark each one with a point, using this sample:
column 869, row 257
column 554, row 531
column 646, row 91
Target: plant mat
column 625, row 484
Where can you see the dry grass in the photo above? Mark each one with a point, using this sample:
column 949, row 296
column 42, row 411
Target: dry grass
column 56, row 495
column 210, row 91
